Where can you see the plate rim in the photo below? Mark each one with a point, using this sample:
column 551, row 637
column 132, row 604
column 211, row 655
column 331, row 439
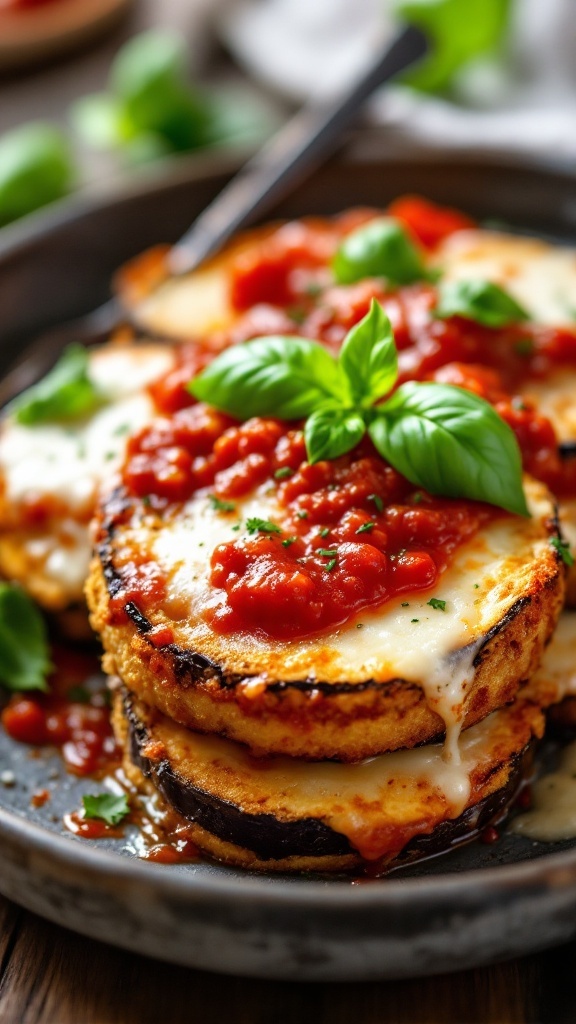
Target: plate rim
column 272, row 889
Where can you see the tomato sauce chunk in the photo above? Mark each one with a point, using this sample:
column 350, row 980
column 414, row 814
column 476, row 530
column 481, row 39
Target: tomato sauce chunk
column 69, row 717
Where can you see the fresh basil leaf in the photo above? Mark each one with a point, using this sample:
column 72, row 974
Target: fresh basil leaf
column 36, row 167
column 458, row 32
column 107, row 807
column 24, row 652
column 330, row 433
column 452, row 443
column 100, row 121
column 149, row 77
column 66, row 393
column 479, row 300
column 368, row 357
column 381, row 248
column 275, row 376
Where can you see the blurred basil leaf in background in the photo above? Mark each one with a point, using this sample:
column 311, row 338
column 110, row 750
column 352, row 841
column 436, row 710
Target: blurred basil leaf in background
column 152, row 110
column 36, row 167
column 459, row 30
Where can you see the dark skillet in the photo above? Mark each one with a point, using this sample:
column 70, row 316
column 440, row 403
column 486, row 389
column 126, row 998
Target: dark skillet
column 473, row 906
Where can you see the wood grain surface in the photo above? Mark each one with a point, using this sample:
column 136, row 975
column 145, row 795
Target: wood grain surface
column 50, row 976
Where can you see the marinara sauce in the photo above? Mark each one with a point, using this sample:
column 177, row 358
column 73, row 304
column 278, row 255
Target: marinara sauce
column 69, row 716
column 349, row 534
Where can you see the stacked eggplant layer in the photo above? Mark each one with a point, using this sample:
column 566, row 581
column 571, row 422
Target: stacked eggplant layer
column 280, row 766
column 398, row 734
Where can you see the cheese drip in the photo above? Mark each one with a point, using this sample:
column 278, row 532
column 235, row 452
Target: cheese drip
column 553, row 815
column 377, row 803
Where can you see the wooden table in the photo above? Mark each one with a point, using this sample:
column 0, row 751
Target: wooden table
column 50, row 976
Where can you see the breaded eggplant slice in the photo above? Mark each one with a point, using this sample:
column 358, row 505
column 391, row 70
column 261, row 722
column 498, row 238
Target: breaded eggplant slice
column 411, row 670
column 540, row 276
column 50, row 474
column 285, row 814
column 555, row 397
column 199, row 303
column 558, row 672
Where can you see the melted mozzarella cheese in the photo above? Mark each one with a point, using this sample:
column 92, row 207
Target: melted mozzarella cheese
column 553, row 814
column 558, row 668
column 190, row 306
column 540, row 276
column 364, row 801
column 434, row 648
column 67, row 462
column 555, row 397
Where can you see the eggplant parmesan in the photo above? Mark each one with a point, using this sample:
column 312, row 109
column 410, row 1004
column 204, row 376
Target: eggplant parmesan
column 51, row 469
column 278, row 281
column 323, row 650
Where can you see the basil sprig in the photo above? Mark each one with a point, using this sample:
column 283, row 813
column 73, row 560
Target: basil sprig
column 483, row 301
column 24, row 651
column 442, row 438
column 381, row 248
column 66, row 393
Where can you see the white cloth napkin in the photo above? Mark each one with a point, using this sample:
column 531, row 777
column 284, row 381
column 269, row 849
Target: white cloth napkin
column 524, row 99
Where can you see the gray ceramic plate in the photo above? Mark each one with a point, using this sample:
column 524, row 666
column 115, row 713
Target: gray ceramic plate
column 475, row 905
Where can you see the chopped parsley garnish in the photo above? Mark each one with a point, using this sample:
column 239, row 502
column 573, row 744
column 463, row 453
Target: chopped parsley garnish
column 414, row 620
column 377, row 501
column 283, row 473
column 288, row 541
column 324, row 531
column 327, row 553
column 107, row 807
column 297, row 314
column 366, row 527
column 302, row 514
column 146, row 500
column 476, row 585
column 221, row 506
column 256, row 525
column 436, row 603
column 524, row 347
column 331, row 564
column 563, row 550
column 236, row 526
column 78, row 695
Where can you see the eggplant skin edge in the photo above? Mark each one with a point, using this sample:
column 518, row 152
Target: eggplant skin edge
column 263, row 842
